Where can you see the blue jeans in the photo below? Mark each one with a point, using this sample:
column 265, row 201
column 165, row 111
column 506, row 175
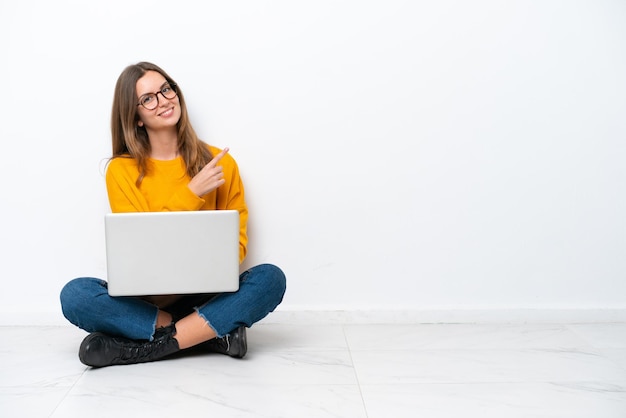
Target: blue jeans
column 86, row 303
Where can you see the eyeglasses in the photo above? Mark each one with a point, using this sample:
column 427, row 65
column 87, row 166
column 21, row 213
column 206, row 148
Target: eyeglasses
column 150, row 101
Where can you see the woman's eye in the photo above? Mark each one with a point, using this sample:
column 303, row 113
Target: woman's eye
column 147, row 99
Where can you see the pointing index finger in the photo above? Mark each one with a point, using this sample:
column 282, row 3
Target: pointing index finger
column 218, row 157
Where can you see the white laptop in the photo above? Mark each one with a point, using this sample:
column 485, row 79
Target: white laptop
column 161, row 253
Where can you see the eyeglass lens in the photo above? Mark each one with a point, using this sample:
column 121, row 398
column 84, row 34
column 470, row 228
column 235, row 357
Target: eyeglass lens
column 150, row 101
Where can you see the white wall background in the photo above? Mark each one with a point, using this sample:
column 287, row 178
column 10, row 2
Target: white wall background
column 414, row 155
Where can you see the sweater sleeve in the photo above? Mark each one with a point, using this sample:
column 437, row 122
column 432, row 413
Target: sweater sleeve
column 124, row 196
column 231, row 196
column 183, row 199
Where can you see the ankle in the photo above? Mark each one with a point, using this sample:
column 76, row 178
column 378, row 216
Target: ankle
column 164, row 319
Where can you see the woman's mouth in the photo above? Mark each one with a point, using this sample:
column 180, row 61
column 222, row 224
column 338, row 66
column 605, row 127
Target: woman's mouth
column 167, row 113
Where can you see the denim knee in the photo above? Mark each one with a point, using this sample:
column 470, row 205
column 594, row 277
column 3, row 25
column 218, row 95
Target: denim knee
column 275, row 281
column 77, row 295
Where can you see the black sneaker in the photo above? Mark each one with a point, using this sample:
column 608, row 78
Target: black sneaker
column 233, row 344
column 100, row 350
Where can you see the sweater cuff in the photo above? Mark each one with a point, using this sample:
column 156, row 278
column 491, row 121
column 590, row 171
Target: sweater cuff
column 184, row 199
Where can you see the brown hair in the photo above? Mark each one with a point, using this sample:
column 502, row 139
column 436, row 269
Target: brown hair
column 131, row 140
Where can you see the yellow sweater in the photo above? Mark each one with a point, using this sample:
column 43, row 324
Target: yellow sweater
column 164, row 188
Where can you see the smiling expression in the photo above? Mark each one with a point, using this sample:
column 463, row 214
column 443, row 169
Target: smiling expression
column 166, row 114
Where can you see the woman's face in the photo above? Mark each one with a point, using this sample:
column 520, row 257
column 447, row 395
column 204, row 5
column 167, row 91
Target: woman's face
column 167, row 111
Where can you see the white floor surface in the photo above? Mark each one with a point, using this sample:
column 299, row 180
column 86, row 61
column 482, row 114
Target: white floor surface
column 352, row 371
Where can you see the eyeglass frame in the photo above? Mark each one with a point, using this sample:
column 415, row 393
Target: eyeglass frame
column 156, row 94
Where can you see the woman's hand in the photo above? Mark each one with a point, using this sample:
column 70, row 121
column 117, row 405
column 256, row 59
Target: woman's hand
column 209, row 178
